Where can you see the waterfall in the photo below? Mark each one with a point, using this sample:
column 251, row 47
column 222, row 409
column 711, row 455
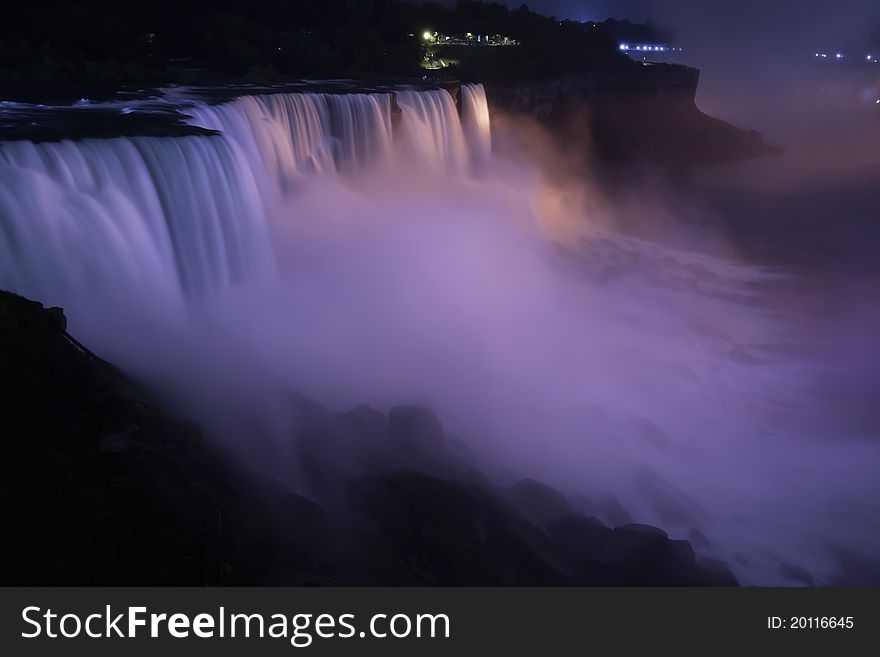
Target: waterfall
column 177, row 217
column 174, row 216
column 296, row 134
column 475, row 122
column 614, row 366
column 431, row 130
column 289, row 135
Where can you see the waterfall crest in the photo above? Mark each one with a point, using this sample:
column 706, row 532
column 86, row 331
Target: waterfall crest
column 431, row 130
column 183, row 216
column 141, row 209
column 290, row 135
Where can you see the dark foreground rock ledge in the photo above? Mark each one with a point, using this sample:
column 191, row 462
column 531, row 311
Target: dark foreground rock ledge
column 98, row 487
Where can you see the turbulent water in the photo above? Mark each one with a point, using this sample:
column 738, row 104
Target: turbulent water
column 367, row 248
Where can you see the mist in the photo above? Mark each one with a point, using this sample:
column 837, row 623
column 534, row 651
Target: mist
column 684, row 371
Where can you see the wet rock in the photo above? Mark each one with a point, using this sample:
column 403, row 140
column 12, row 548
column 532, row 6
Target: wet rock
column 325, row 449
column 611, row 511
column 642, row 529
column 414, row 432
column 592, row 554
column 366, row 422
column 367, row 437
column 472, row 476
column 583, row 504
column 76, row 513
column 424, row 530
column 577, row 538
column 539, row 502
column 86, row 455
column 642, row 556
column 683, row 552
column 645, row 119
column 713, row 572
column 276, row 538
column 630, row 543
column 59, row 321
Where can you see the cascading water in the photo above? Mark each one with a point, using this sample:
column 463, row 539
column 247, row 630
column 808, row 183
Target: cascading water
column 304, row 133
column 291, row 135
column 161, row 217
column 432, row 131
column 627, row 366
column 475, row 120
column 184, row 216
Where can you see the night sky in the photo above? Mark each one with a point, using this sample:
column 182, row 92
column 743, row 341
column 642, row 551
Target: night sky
column 735, row 24
column 749, row 51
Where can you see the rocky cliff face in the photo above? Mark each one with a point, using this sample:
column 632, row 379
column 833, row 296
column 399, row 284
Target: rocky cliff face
column 657, row 83
column 98, row 487
column 626, row 118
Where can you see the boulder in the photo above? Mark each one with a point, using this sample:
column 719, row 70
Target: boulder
column 413, row 529
column 611, row 510
column 539, row 502
column 415, row 433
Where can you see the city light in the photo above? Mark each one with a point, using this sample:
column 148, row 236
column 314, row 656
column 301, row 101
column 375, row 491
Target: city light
column 625, row 47
column 842, row 56
column 431, row 60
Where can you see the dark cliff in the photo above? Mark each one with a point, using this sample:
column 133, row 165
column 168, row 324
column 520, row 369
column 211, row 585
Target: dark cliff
column 631, row 116
column 97, row 486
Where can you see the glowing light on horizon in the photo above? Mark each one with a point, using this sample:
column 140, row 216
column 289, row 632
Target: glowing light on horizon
column 625, row 47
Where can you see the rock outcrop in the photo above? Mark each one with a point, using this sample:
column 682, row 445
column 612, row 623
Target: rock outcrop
column 98, row 487
column 631, row 116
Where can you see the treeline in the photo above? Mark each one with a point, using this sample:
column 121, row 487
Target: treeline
column 104, row 41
